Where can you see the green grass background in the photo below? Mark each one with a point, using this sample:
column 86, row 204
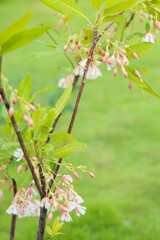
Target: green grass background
column 122, row 131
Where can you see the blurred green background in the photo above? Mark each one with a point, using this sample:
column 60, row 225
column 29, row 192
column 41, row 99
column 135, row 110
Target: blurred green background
column 121, row 128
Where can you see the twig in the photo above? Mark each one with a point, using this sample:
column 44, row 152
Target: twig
column 20, row 139
column 130, row 20
column 95, row 40
column 57, row 119
column 13, row 222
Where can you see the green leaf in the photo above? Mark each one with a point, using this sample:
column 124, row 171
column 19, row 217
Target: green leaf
column 63, row 100
column 119, row 7
column 22, row 38
column 62, row 138
column 97, row 3
column 121, row 29
column 57, row 228
column 14, row 28
column 37, row 117
column 145, row 86
column 49, row 230
column 55, row 223
column 140, row 49
column 69, row 149
column 110, row 18
column 110, row 3
column 44, row 90
column 49, row 120
column 68, row 7
column 24, row 90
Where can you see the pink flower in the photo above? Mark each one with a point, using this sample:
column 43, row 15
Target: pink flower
column 80, row 210
column 66, row 180
column 64, row 82
column 148, row 38
column 46, row 203
column 65, row 217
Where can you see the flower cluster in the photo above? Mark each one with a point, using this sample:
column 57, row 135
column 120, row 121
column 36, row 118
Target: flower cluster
column 24, row 204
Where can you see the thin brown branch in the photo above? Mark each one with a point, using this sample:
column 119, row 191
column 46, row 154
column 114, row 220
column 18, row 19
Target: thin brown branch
column 42, row 177
column 57, row 119
column 13, row 222
column 130, row 20
column 20, row 139
column 94, row 43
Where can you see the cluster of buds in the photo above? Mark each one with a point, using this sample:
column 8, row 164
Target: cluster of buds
column 154, row 27
column 1, row 192
column 61, row 20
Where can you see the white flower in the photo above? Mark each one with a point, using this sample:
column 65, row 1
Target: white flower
column 148, row 38
column 80, row 210
column 65, row 217
column 18, row 154
column 46, row 203
column 64, row 82
column 78, row 200
column 92, row 73
column 66, row 180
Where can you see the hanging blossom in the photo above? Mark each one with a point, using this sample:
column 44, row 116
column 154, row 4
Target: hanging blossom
column 24, row 204
column 18, row 154
column 148, row 38
column 64, row 82
column 93, row 71
column 24, row 207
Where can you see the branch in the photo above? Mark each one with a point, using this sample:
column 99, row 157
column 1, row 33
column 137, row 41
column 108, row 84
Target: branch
column 20, row 139
column 57, row 119
column 95, row 40
column 13, row 222
column 42, row 177
column 130, row 20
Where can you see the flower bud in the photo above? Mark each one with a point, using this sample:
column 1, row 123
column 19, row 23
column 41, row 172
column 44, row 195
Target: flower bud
column 72, row 48
column 129, row 85
column 92, row 175
column 29, row 191
column 65, row 48
column 26, row 119
column 31, row 123
column 64, row 16
column 50, row 216
column 6, row 177
column 115, row 72
column 157, row 24
column 10, row 187
column 55, row 14
column 119, row 63
column 137, row 74
column 70, row 164
column 141, row 12
column 149, row 17
column 141, row 19
column 36, row 171
column 107, row 55
column 85, row 37
column 1, row 98
column 100, row 50
column 76, row 175
column 34, row 158
column 59, row 26
column 104, row 60
column 10, row 112
column 25, row 203
column 19, row 168
column 15, row 100
column 76, row 42
column 126, row 75
column 32, row 108
column 103, row 53
column 135, row 56
column 79, row 45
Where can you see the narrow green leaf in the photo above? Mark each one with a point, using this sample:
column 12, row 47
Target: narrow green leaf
column 140, row 49
column 49, row 120
column 110, row 18
column 119, row 7
column 68, row 7
column 62, row 138
column 63, row 100
column 110, row 3
column 55, row 223
column 24, row 90
column 145, row 86
column 22, row 38
column 49, row 230
column 69, row 149
column 97, row 4
column 14, row 28
column 44, row 90
column 37, row 117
